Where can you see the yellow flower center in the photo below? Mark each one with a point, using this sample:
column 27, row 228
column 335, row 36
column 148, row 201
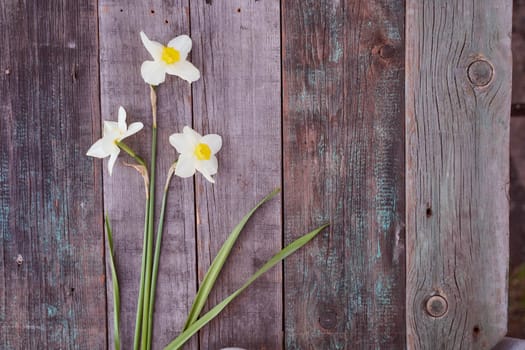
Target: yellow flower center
column 170, row 55
column 202, row 152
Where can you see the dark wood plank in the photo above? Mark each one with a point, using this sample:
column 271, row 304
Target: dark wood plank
column 516, row 324
column 343, row 79
column 510, row 344
column 51, row 261
column 518, row 48
column 121, row 55
column 237, row 47
column 458, row 107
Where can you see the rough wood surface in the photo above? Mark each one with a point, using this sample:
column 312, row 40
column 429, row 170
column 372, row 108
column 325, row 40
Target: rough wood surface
column 516, row 324
column 121, row 54
column 237, row 48
column 51, row 261
column 343, row 79
column 458, row 83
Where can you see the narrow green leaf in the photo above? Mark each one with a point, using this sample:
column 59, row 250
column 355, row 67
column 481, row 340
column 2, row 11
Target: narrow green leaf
column 218, row 263
column 116, row 290
column 201, row 322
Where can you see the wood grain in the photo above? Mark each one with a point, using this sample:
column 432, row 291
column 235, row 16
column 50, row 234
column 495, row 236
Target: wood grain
column 121, row 55
column 51, row 261
column 343, row 129
column 237, row 48
column 516, row 319
column 516, row 322
column 458, row 84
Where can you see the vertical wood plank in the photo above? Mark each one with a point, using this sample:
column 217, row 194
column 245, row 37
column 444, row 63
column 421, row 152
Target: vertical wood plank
column 121, row 55
column 458, row 84
column 51, row 261
column 516, row 319
column 343, row 129
column 237, row 47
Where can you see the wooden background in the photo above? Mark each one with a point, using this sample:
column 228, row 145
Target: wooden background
column 389, row 119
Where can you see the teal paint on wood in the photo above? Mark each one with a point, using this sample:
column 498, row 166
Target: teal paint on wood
column 51, row 262
column 343, row 103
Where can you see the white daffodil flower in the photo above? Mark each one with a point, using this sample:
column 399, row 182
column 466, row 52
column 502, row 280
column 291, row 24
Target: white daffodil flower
column 170, row 59
column 197, row 153
column 112, row 133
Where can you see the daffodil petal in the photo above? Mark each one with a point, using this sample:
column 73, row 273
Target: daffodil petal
column 207, row 168
column 214, row 141
column 184, row 70
column 185, row 166
column 182, row 43
column 192, row 137
column 153, row 73
column 112, row 161
column 132, row 129
column 98, row 150
column 181, row 145
column 121, row 118
column 154, row 48
column 109, row 128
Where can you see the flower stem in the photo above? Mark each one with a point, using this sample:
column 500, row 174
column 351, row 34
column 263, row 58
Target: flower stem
column 158, row 244
column 140, row 303
column 116, row 289
column 146, row 338
column 129, row 151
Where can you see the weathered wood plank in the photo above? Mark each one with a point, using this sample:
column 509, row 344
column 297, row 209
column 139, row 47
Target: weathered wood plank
column 343, row 79
column 51, row 261
column 121, row 54
column 516, row 319
column 458, row 84
column 516, row 323
column 237, row 48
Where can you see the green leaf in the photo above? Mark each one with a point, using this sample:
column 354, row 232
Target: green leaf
column 116, row 290
column 218, row 263
column 201, row 322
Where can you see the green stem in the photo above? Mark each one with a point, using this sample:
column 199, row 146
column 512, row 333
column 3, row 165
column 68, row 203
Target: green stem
column 146, row 337
column 158, row 243
column 129, row 151
column 116, row 289
column 140, row 303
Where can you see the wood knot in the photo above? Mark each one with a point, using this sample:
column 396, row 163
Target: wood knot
column 436, row 306
column 480, row 72
column 387, row 51
column 328, row 319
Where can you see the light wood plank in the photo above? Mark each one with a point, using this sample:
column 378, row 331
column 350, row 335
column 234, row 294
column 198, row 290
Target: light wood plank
column 343, row 79
column 121, row 54
column 237, row 48
column 458, row 105
column 52, row 293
